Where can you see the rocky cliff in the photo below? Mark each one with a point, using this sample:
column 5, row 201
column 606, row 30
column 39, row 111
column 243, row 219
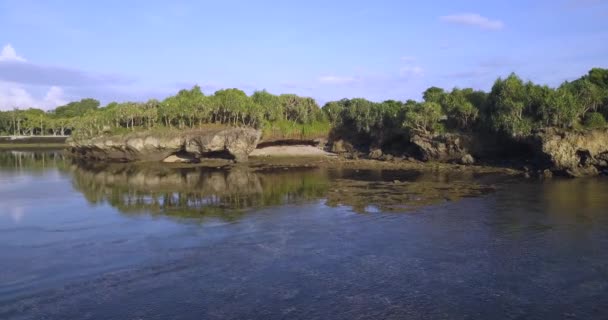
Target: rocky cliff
column 187, row 145
column 571, row 153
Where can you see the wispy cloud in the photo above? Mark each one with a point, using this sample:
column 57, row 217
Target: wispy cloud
column 25, row 84
column 581, row 4
column 34, row 74
column 473, row 19
column 14, row 68
column 339, row 80
column 408, row 58
column 470, row 74
column 498, row 62
column 493, row 66
column 411, row 71
column 8, row 53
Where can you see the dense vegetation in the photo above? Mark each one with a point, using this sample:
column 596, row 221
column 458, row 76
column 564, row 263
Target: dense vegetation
column 512, row 107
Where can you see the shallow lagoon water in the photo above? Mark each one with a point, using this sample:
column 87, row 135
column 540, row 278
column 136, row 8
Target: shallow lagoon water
column 129, row 242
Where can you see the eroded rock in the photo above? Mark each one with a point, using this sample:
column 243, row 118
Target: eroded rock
column 375, row 154
column 236, row 143
column 442, row 147
column 572, row 153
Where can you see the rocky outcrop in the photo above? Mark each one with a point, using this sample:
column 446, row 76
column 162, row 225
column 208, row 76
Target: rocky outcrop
column 467, row 159
column 443, row 147
column 232, row 143
column 342, row 147
column 571, row 153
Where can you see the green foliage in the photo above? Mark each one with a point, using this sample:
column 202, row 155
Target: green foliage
column 434, row 94
column 424, row 117
column 187, row 109
column 461, row 112
column 270, row 105
column 595, row 120
column 76, row 108
column 512, row 107
column 284, row 129
column 598, row 77
column 506, row 106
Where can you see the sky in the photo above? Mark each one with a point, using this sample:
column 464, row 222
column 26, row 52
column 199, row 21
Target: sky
column 56, row 51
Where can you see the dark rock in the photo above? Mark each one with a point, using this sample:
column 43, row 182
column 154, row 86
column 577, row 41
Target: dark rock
column 387, row 157
column 342, row 147
column 442, row 147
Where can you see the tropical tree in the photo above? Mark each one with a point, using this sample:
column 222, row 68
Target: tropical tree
column 424, row 117
column 459, row 109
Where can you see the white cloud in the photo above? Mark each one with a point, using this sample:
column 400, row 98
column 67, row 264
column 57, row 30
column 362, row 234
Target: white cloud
column 473, row 19
column 408, row 58
column 337, row 79
column 411, row 71
column 15, row 96
column 8, row 53
column 54, row 97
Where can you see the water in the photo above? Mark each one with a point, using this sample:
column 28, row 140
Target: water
column 128, row 242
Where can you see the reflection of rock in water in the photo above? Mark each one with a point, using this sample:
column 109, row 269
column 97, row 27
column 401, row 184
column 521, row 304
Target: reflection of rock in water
column 197, row 192
column 194, row 192
column 401, row 196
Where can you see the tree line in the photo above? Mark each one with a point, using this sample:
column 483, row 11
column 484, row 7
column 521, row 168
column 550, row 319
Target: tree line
column 512, row 107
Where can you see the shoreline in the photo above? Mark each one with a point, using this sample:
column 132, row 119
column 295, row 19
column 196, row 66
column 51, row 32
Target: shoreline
column 32, row 142
column 325, row 162
column 303, row 156
column 21, row 146
column 285, row 161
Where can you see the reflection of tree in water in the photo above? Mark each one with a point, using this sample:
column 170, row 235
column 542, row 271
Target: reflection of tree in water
column 32, row 160
column 227, row 193
column 196, row 192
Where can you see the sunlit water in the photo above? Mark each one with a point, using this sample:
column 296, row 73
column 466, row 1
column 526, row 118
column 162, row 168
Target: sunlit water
column 128, row 242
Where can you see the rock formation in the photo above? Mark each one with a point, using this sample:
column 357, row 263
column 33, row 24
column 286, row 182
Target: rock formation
column 571, row 153
column 443, row 148
column 234, row 143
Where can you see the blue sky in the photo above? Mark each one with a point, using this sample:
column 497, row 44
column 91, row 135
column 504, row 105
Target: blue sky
column 57, row 51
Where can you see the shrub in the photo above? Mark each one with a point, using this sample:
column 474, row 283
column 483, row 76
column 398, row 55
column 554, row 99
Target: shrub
column 595, row 120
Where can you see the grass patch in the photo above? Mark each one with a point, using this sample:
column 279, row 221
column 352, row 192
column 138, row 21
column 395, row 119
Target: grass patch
column 284, row 129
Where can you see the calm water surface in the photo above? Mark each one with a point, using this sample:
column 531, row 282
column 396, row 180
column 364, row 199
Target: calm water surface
column 127, row 242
